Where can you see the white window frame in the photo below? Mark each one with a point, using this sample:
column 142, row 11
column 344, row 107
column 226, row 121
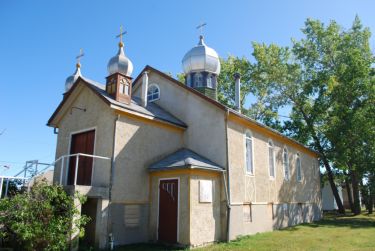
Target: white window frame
column 287, row 163
column 298, row 160
column 248, row 132
column 198, row 79
column 150, row 86
column 271, row 145
column 209, row 81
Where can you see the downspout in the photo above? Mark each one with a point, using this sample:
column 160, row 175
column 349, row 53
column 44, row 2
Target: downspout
column 112, row 174
column 228, row 179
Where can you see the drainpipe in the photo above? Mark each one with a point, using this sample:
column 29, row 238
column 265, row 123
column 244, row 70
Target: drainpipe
column 144, row 89
column 228, row 179
column 112, row 174
column 237, row 78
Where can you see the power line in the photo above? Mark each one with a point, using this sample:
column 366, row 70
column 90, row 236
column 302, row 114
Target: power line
column 11, row 162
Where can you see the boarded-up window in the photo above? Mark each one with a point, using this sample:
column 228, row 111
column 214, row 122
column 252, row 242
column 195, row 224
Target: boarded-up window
column 247, row 214
column 132, row 215
column 205, row 191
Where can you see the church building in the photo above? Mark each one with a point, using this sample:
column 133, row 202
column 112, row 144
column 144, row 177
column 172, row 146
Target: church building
column 164, row 161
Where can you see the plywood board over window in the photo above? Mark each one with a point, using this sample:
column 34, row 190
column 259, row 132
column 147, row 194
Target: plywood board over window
column 205, row 191
column 132, row 215
column 247, row 213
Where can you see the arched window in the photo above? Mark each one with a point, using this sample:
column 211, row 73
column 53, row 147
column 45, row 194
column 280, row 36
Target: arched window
column 153, row 93
column 249, row 153
column 298, row 167
column 286, row 163
column 209, row 81
column 198, row 80
column 271, row 159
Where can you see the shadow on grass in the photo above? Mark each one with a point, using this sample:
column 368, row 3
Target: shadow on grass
column 334, row 220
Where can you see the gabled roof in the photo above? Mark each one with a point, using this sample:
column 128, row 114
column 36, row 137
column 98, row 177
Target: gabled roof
column 151, row 110
column 184, row 159
column 223, row 107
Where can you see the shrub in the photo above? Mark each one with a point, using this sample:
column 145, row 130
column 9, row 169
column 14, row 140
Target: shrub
column 43, row 219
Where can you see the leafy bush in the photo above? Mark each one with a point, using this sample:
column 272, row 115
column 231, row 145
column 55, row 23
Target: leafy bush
column 43, row 219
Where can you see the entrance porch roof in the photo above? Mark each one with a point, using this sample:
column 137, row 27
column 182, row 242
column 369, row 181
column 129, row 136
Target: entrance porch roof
column 184, row 159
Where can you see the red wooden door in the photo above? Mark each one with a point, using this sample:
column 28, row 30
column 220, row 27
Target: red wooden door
column 81, row 143
column 168, row 205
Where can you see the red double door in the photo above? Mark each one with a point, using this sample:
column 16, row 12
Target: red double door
column 168, row 206
column 81, row 143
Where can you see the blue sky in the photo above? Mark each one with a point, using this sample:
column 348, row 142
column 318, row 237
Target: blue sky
column 40, row 39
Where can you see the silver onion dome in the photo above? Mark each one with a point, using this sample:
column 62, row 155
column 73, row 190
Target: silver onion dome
column 120, row 63
column 201, row 58
column 73, row 78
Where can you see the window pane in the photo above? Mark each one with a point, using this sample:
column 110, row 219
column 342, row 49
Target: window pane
column 286, row 164
column 153, row 93
column 271, row 162
column 209, row 82
column 249, row 157
column 122, row 88
column 126, row 91
column 298, row 164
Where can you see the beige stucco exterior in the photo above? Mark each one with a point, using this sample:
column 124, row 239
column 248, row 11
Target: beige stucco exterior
column 267, row 195
column 206, row 122
column 99, row 117
column 129, row 208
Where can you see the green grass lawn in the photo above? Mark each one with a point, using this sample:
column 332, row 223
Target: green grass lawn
column 331, row 233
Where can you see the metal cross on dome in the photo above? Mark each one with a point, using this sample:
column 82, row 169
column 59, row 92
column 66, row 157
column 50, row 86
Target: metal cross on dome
column 121, row 33
column 81, row 54
column 200, row 28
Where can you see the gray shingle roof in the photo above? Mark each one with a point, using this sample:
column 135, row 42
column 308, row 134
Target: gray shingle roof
column 184, row 159
column 151, row 109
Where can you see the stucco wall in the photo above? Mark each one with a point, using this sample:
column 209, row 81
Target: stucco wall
column 98, row 116
column 205, row 217
column 138, row 145
column 206, row 123
column 261, row 188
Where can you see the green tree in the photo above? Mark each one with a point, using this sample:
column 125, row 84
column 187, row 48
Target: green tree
column 42, row 219
column 264, row 109
column 312, row 77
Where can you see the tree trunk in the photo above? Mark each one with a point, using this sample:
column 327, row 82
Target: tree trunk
column 349, row 191
column 324, row 158
column 371, row 196
column 355, row 186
